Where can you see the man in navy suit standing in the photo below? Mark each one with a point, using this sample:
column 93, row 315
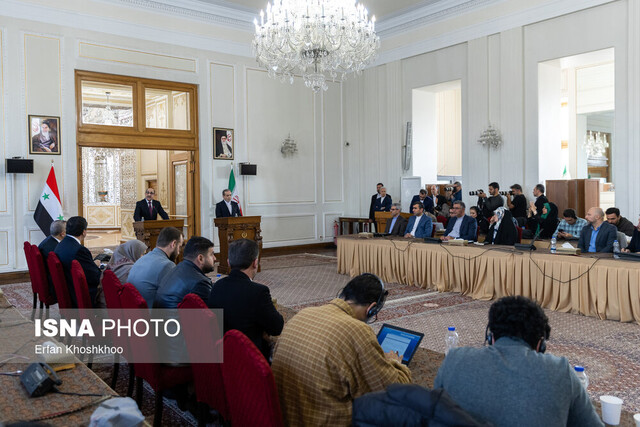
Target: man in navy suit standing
column 70, row 248
column 419, row 224
column 460, row 226
column 426, row 201
column 148, row 208
column 383, row 203
column 227, row 207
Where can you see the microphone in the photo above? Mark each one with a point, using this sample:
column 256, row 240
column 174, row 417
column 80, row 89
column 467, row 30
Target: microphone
column 530, row 246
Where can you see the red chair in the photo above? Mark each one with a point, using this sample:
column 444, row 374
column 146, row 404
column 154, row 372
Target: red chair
column 207, row 376
column 249, row 384
column 59, row 281
column 443, row 219
column 80, row 286
column 160, row 377
column 42, row 282
column 433, row 230
column 519, row 234
column 34, row 289
column 112, row 289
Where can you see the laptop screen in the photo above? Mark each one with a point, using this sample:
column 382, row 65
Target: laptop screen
column 404, row 341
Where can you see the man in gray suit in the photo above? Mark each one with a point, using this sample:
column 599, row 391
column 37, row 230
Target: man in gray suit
column 149, row 270
column 397, row 224
column 511, row 382
column 598, row 235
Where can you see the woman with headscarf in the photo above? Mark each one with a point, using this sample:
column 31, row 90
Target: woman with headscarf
column 544, row 223
column 634, row 245
column 502, row 231
column 124, row 257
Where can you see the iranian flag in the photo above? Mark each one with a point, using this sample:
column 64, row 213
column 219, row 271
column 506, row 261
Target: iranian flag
column 234, row 191
column 49, row 206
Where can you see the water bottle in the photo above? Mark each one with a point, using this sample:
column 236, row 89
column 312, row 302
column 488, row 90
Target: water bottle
column 218, row 276
column 616, row 249
column 552, row 249
column 582, row 376
column 451, row 340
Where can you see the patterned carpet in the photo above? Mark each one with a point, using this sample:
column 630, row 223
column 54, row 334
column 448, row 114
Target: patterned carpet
column 609, row 350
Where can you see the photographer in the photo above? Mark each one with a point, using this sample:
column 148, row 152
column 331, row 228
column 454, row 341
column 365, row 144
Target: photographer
column 517, row 203
column 488, row 205
column 440, row 205
column 454, row 193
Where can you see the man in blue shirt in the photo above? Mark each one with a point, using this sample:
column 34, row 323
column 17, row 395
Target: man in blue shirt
column 460, row 226
column 598, row 235
column 397, row 224
column 511, row 382
column 149, row 270
column 570, row 226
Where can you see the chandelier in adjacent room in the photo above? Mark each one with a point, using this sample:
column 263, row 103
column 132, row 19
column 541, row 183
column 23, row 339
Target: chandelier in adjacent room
column 320, row 39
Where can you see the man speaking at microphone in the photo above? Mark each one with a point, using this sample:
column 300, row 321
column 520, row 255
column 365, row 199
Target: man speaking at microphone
column 149, row 209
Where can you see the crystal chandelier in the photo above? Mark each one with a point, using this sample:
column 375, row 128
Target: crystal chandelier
column 320, row 39
column 595, row 144
column 490, row 137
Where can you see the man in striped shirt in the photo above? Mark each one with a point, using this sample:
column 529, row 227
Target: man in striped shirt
column 327, row 356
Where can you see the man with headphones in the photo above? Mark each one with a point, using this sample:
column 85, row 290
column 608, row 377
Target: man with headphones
column 510, row 381
column 327, row 356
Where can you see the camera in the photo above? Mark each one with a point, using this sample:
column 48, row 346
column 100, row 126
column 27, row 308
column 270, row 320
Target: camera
column 449, row 188
column 504, row 193
column 511, row 192
column 476, row 193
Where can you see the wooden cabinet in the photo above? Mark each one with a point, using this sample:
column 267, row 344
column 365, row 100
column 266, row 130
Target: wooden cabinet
column 578, row 194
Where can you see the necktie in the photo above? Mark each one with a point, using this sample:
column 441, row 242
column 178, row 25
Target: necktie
column 150, row 209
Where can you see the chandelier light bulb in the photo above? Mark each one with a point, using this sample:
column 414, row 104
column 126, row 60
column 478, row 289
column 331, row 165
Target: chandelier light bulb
column 320, row 39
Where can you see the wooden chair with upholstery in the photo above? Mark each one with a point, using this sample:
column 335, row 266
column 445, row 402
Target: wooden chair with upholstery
column 159, row 376
column 207, row 376
column 249, row 383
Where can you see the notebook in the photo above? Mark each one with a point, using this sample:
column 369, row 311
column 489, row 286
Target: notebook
column 629, row 256
column 404, row 341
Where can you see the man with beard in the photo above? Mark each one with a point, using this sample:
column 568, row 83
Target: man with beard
column 189, row 276
column 46, row 141
column 149, row 270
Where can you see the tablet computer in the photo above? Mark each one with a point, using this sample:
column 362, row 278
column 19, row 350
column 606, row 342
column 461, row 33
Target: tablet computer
column 404, row 341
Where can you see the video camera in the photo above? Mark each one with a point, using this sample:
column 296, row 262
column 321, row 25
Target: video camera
column 476, row 193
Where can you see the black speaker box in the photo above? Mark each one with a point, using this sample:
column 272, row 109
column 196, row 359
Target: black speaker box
column 19, row 165
column 248, row 169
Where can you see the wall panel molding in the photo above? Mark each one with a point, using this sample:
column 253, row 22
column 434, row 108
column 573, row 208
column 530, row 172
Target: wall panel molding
column 282, row 228
column 110, row 53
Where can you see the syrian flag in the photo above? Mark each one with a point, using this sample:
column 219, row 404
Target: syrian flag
column 234, row 191
column 49, row 207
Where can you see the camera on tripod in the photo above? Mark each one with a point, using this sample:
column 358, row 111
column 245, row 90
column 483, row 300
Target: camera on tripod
column 476, row 193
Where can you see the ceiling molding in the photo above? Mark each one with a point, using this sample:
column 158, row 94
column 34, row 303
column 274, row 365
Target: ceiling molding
column 548, row 10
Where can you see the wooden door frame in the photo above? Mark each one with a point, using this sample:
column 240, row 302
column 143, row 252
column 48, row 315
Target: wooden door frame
column 139, row 137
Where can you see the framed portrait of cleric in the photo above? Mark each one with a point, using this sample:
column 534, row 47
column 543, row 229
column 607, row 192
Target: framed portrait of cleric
column 222, row 144
column 44, row 134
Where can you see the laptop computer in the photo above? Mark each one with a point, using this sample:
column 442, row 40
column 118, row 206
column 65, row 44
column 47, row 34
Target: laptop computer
column 629, row 256
column 404, row 341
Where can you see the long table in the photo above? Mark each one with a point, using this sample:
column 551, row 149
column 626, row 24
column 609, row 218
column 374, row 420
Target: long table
column 593, row 286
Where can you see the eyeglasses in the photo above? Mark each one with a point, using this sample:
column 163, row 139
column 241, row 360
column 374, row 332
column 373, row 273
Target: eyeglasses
column 150, row 192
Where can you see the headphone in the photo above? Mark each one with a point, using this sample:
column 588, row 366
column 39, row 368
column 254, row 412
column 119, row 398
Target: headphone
column 488, row 340
column 373, row 312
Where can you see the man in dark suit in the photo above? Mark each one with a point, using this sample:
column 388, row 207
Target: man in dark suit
column 189, row 276
column 397, row 224
column 372, row 206
column 460, row 226
column 426, row 201
column 598, row 235
column 383, row 203
column 227, row 207
column 148, row 208
column 57, row 231
column 247, row 305
column 541, row 199
column 419, row 225
column 71, row 248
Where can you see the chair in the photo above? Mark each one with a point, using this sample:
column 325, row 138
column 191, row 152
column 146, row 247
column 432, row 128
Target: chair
column 160, row 377
column 80, row 286
column 207, row 376
column 112, row 289
column 433, row 230
column 34, row 289
column 42, row 282
column 249, row 384
column 59, row 281
column 519, row 229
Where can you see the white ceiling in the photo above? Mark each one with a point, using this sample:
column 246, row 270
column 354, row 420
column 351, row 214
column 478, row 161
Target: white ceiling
column 379, row 8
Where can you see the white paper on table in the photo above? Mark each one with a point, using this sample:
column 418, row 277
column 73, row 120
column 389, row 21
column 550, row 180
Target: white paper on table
column 567, row 245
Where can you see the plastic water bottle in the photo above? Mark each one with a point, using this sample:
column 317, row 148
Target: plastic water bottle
column 218, row 276
column 582, row 376
column 552, row 249
column 451, row 340
column 616, row 249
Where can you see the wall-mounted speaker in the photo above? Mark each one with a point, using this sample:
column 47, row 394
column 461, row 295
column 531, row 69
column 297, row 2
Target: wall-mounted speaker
column 19, row 165
column 248, row 169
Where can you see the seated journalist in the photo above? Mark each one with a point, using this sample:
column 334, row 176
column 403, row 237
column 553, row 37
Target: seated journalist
column 460, row 226
column 598, row 235
column 634, row 245
column 502, row 230
column 419, row 225
column 511, row 382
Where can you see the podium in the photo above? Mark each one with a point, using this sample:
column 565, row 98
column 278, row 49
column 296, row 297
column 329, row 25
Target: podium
column 147, row 231
column 232, row 228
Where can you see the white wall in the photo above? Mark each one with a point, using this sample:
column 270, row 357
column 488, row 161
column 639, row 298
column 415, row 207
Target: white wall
column 425, row 136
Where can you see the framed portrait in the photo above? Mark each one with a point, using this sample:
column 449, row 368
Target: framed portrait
column 44, row 134
column 222, row 144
